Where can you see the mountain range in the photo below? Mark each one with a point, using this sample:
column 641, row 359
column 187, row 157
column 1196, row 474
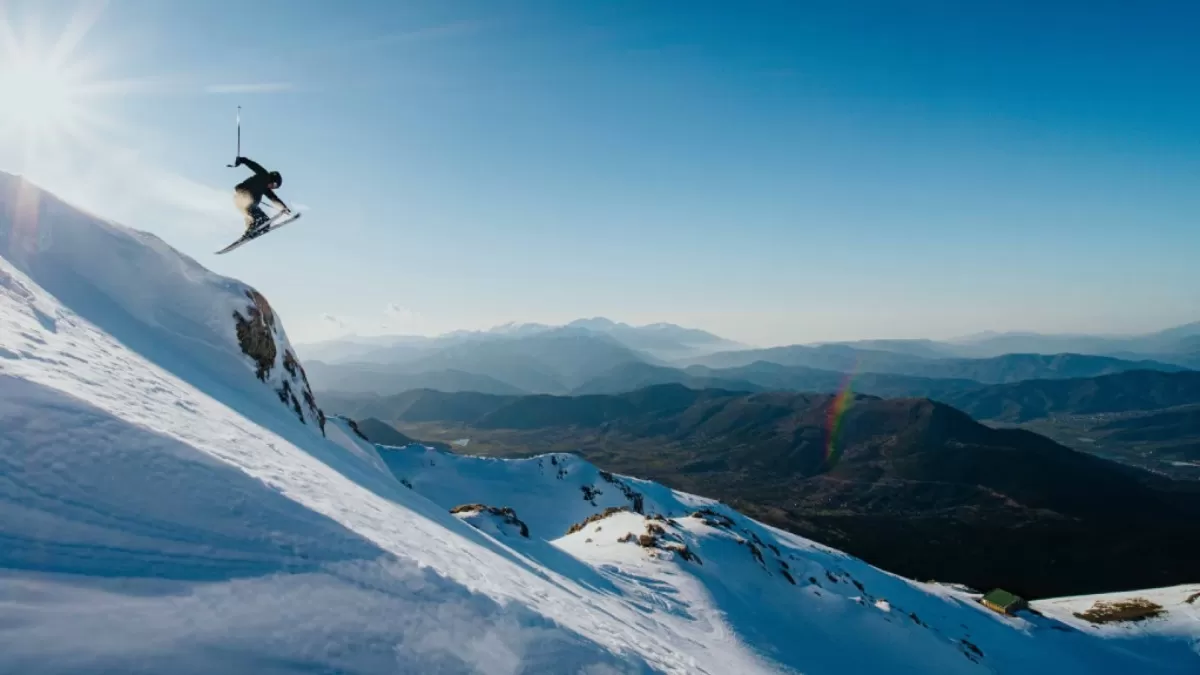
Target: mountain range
column 656, row 342
column 990, row 370
column 598, row 356
column 576, row 360
column 174, row 499
column 676, row 345
column 1178, row 344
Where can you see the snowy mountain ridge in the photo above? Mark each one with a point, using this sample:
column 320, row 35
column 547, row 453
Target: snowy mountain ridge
column 692, row 557
column 172, row 499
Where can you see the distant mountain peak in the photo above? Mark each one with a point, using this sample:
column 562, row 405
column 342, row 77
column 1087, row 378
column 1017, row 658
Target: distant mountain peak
column 518, row 328
column 596, row 323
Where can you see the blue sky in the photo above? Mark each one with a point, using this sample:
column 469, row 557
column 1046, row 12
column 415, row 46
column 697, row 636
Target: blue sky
column 775, row 171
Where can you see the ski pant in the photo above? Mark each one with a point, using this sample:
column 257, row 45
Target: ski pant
column 248, row 204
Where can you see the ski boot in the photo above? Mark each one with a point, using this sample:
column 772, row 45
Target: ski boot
column 257, row 225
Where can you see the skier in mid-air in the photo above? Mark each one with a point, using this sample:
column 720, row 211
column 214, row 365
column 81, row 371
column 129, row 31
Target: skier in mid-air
column 249, row 193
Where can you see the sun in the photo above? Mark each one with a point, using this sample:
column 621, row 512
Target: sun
column 40, row 100
column 49, row 89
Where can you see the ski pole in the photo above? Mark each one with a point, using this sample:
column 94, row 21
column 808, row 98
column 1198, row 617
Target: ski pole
column 239, row 135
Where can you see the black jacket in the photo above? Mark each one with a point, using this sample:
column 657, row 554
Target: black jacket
column 256, row 185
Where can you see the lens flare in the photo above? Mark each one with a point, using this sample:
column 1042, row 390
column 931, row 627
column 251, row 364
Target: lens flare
column 837, row 411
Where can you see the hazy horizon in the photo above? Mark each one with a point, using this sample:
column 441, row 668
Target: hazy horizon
column 951, row 338
column 773, row 173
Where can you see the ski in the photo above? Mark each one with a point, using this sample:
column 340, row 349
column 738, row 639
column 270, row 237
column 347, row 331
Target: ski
column 272, row 225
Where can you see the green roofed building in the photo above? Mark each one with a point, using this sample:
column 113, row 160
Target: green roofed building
column 1002, row 601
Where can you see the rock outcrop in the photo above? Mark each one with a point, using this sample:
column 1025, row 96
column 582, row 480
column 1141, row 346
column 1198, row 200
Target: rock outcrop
column 491, row 519
column 263, row 341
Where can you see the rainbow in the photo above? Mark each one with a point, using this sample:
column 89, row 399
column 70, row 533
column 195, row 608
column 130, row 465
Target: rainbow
column 837, row 411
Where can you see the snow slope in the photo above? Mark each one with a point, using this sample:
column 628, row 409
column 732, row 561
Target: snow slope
column 160, row 505
column 796, row 602
column 172, row 501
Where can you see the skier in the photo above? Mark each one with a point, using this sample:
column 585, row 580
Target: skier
column 248, row 193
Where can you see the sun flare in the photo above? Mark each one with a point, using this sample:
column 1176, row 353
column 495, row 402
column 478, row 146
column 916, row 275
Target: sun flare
column 39, row 99
column 49, row 85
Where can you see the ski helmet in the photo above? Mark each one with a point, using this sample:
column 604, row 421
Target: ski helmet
column 276, row 179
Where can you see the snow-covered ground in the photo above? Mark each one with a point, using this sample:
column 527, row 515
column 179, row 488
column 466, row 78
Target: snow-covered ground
column 170, row 501
column 798, row 603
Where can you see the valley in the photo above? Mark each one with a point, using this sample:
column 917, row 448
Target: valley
column 1165, row 441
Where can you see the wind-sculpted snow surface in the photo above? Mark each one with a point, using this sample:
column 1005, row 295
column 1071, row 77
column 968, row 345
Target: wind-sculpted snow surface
column 165, row 508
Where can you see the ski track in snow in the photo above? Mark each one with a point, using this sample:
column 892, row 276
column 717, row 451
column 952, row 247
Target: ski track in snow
column 161, row 511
